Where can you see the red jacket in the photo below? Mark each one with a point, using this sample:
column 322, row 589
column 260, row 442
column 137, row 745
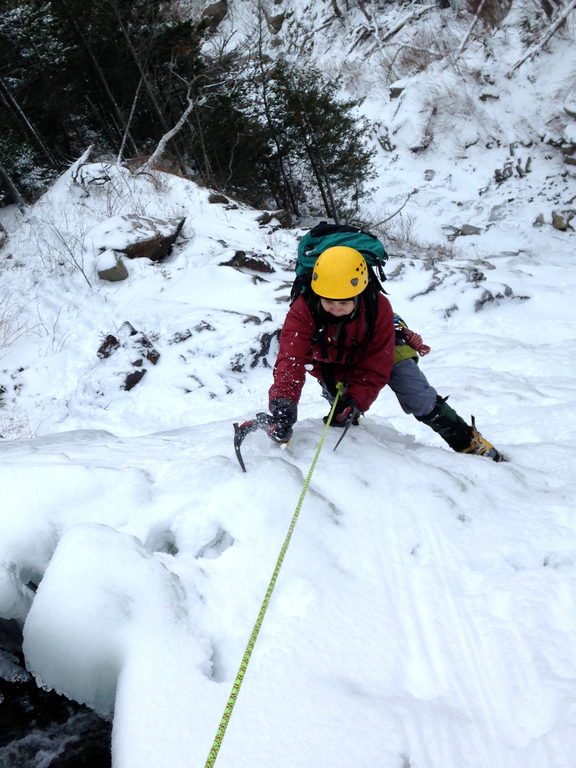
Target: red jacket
column 362, row 362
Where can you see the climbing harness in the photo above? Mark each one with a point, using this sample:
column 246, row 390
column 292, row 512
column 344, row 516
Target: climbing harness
column 217, row 743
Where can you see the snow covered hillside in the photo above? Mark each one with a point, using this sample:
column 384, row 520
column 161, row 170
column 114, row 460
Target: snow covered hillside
column 425, row 614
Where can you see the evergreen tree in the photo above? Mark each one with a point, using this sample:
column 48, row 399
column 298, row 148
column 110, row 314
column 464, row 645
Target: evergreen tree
column 118, row 74
column 27, row 53
column 317, row 141
column 69, row 74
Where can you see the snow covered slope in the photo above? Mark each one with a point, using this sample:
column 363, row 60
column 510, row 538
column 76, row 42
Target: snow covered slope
column 425, row 612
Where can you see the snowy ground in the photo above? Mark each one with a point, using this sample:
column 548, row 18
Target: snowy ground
column 425, row 614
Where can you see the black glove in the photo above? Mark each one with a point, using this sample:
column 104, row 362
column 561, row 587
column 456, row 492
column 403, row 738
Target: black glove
column 284, row 414
column 346, row 411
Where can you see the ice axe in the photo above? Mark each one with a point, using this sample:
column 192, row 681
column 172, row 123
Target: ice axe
column 241, row 431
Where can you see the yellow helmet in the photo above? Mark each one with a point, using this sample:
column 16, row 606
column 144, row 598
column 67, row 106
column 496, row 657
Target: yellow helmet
column 339, row 273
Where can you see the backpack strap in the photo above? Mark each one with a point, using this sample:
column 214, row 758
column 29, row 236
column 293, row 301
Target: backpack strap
column 370, row 302
column 300, row 285
column 371, row 305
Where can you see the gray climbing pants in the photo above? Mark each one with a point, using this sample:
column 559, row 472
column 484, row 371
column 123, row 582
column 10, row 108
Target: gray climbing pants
column 411, row 387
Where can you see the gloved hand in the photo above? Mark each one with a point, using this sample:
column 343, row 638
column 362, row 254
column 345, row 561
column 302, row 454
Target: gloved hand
column 346, row 410
column 284, row 415
column 414, row 340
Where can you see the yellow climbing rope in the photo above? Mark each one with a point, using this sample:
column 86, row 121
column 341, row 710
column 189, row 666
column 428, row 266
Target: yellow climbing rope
column 256, row 629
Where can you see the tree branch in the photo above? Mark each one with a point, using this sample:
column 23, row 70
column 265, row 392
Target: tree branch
column 127, row 127
column 379, row 223
column 159, row 151
column 467, row 35
column 367, row 31
column 13, row 189
column 563, row 15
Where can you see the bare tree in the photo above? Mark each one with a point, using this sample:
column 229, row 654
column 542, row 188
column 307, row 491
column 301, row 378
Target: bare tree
column 469, row 32
column 137, row 60
column 12, row 188
column 130, row 116
column 287, row 183
column 11, row 102
column 86, row 47
column 148, row 85
column 161, row 148
column 550, row 7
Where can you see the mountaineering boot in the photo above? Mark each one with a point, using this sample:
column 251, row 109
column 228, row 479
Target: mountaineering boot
column 480, row 446
column 460, row 436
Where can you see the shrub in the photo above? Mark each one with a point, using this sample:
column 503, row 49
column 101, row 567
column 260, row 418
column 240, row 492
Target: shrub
column 492, row 12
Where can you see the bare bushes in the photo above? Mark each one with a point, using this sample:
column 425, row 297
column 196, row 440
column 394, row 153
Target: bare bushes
column 12, row 327
column 398, row 232
column 13, row 422
column 14, row 425
column 114, row 190
column 415, row 52
column 58, row 235
column 61, row 228
column 491, row 12
column 417, row 55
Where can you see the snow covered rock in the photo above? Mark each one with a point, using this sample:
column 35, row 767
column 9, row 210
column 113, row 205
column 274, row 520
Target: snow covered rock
column 136, row 236
column 215, row 13
column 110, row 267
column 249, row 262
column 102, row 591
column 561, row 219
column 570, row 105
column 137, row 347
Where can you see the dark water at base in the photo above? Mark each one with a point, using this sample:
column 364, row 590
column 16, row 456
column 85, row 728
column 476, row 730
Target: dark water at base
column 40, row 729
column 43, row 730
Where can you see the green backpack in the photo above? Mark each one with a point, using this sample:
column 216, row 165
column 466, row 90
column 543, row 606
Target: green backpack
column 325, row 235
